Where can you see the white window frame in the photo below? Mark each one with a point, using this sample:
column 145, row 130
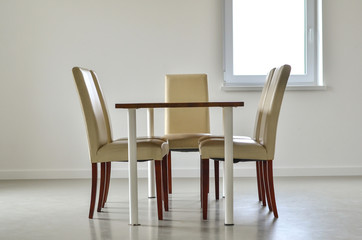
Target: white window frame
column 313, row 80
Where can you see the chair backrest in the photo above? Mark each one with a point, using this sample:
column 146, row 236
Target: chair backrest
column 94, row 110
column 186, row 88
column 270, row 112
column 103, row 103
column 259, row 111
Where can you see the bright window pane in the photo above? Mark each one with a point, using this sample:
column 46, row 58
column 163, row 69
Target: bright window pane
column 267, row 34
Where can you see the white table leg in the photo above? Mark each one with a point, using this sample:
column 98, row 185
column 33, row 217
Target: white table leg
column 132, row 168
column 228, row 165
column 151, row 164
column 223, row 179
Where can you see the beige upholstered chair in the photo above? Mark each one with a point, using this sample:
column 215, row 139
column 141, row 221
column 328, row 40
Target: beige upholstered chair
column 261, row 148
column 256, row 133
column 184, row 126
column 102, row 149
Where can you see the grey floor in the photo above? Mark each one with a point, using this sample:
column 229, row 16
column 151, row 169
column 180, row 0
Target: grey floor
column 309, row 208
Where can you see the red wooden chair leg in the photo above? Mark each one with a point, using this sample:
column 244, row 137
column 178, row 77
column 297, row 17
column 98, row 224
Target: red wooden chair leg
column 258, row 179
column 262, row 183
column 208, row 177
column 271, row 187
column 169, row 173
column 164, row 182
column 158, row 175
column 94, row 190
column 108, row 180
column 266, row 185
column 102, row 186
column 216, row 169
column 205, row 180
column 201, row 180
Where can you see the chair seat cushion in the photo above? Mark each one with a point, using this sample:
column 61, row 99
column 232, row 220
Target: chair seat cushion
column 147, row 149
column 184, row 141
column 244, row 148
column 144, row 137
column 219, row 136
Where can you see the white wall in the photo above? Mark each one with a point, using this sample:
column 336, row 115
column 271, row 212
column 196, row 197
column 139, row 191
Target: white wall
column 132, row 45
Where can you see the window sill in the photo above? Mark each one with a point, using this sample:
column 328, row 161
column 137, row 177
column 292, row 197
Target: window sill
column 236, row 87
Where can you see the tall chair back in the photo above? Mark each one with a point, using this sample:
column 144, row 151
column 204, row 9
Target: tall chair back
column 103, row 104
column 186, row 88
column 94, row 111
column 259, row 112
column 270, row 112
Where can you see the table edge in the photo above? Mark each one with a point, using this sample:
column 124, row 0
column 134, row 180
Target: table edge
column 178, row 105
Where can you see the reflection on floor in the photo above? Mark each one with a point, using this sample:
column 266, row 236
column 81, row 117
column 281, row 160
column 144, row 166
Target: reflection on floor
column 309, row 208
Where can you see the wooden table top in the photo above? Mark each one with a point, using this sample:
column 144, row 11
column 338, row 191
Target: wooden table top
column 179, row 105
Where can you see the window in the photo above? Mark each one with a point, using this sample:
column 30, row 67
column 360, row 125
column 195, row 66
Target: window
column 262, row 34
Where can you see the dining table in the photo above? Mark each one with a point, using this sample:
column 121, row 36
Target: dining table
column 132, row 150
